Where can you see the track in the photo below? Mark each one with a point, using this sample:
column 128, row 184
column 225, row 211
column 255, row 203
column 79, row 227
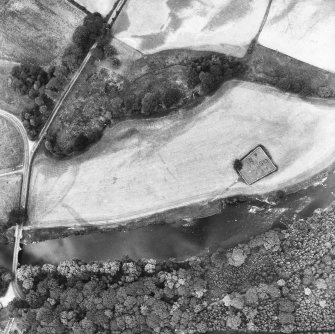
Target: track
column 32, row 149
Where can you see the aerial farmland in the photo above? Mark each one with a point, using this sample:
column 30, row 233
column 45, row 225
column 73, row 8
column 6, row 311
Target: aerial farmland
column 183, row 159
column 302, row 29
column 197, row 133
column 223, row 26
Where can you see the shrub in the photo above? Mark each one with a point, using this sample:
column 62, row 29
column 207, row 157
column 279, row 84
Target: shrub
column 171, row 97
column 151, row 102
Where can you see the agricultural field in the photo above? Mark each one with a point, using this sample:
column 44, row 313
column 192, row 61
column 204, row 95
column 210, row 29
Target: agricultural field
column 36, row 30
column 302, row 29
column 101, row 6
column 11, row 146
column 10, row 187
column 217, row 25
column 145, row 166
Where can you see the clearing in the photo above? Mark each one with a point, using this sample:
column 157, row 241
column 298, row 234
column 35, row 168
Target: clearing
column 144, row 167
column 36, row 30
column 302, row 29
column 226, row 26
column 11, row 146
column 10, row 188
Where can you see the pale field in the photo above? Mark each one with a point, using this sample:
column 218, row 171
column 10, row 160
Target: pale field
column 101, row 6
column 10, row 187
column 144, row 167
column 304, row 30
column 11, row 146
column 214, row 25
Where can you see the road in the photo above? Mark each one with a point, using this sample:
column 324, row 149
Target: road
column 32, row 149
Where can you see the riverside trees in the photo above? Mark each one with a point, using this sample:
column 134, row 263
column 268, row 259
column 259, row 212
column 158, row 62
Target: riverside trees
column 279, row 281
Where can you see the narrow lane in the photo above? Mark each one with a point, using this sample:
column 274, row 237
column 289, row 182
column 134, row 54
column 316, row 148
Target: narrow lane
column 115, row 12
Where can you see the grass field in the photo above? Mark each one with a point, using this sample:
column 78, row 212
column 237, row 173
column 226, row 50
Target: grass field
column 216, row 25
column 141, row 167
column 302, row 29
column 36, row 30
column 10, row 187
column 11, row 146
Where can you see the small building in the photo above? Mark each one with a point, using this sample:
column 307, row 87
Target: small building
column 256, row 165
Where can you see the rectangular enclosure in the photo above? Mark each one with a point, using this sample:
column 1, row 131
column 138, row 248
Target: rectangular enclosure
column 256, row 165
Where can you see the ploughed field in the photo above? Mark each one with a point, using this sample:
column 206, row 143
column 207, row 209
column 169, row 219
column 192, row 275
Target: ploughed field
column 215, row 25
column 142, row 167
column 36, row 30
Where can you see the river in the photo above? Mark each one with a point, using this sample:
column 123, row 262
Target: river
column 236, row 224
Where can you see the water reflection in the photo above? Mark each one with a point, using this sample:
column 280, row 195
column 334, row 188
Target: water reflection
column 6, row 255
column 236, row 224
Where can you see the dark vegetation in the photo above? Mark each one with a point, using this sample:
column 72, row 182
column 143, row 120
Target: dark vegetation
column 155, row 86
column 238, row 165
column 5, row 278
column 289, row 75
column 15, row 216
column 280, row 281
column 44, row 86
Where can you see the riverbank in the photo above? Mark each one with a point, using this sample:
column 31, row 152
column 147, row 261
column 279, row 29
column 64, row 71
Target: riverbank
column 281, row 280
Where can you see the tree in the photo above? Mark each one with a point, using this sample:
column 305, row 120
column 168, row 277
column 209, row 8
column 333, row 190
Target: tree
column 109, row 50
column 171, row 97
column 116, row 63
column 5, row 278
column 97, row 53
column 151, row 102
column 81, row 37
column 238, row 165
column 73, row 56
column 208, row 82
column 192, row 78
column 17, row 216
column 81, row 142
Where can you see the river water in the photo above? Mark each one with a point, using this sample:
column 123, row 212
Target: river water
column 236, row 224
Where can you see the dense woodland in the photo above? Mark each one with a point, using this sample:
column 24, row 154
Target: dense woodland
column 282, row 280
column 5, row 278
column 44, row 86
